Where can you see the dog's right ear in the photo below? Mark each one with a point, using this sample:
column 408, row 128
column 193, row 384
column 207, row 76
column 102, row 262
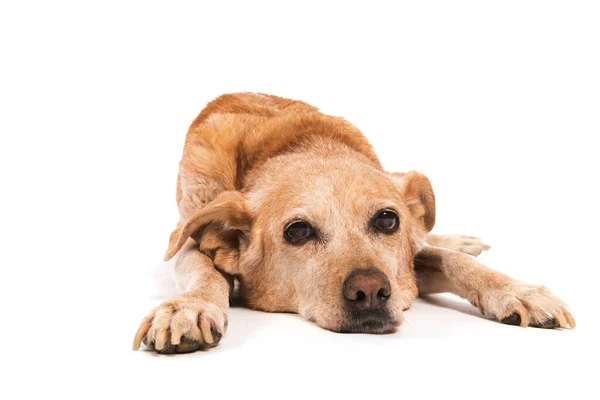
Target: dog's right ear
column 228, row 211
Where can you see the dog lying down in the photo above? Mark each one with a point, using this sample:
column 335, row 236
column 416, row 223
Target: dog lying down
column 295, row 206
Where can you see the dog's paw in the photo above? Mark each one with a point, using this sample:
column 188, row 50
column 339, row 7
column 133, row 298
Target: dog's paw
column 464, row 244
column 182, row 325
column 526, row 305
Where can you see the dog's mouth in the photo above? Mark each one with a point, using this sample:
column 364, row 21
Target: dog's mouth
column 372, row 321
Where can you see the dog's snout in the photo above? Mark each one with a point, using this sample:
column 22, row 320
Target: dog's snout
column 367, row 289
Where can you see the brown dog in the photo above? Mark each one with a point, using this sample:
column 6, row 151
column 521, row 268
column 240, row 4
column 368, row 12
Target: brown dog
column 295, row 205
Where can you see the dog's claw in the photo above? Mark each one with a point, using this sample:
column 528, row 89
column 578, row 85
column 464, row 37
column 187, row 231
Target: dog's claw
column 205, row 326
column 560, row 319
column 519, row 317
column 522, row 311
column 161, row 338
column 176, row 335
column 570, row 319
column 141, row 332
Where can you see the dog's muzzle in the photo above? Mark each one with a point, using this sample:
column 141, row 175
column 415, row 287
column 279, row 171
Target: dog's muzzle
column 366, row 292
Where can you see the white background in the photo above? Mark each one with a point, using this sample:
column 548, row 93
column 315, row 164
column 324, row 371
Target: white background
column 497, row 102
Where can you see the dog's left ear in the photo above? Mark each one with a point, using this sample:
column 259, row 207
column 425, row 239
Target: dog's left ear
column 223, row 218
column 418, row 195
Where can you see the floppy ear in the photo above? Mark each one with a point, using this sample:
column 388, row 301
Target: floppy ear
column 228, row 211
column 418, row 195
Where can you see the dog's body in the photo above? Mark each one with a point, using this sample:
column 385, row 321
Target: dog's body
column 295, row 205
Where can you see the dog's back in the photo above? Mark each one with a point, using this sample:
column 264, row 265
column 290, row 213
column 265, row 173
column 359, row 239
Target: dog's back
column 256, row 104
column 236, row 133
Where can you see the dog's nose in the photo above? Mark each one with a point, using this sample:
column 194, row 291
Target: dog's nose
column 367, row 289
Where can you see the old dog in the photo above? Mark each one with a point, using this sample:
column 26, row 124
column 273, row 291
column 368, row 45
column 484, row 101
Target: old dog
column 293, row 208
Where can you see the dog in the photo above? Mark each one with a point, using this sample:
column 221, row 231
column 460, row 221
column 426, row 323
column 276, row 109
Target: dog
column 295, row 207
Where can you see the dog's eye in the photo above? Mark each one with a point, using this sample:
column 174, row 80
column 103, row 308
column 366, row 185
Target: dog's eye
column 386, row 221
column 298, row 232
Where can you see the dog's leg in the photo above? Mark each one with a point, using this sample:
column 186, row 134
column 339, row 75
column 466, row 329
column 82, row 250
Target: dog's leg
column 510, row 301
column 196, row 319
column 465, row 244
column 431, row 280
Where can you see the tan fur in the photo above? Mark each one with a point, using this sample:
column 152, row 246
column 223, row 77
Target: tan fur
column 444, row 270
column 251, row 164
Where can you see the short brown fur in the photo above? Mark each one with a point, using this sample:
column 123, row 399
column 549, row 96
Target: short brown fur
column 252, row 165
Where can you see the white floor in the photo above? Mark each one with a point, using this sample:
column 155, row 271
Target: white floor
column 444, row 346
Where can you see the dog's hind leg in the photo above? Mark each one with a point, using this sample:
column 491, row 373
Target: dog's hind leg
column 462, row 243
column 507, row 299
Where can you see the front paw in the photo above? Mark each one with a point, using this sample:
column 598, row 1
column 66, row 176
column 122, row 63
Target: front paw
column 182, row 325
column 526, row 305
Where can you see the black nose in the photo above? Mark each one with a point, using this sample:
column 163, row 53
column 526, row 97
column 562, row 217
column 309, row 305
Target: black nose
column 367, row 289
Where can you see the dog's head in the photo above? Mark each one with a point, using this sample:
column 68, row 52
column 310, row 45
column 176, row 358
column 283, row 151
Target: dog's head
column 331, row 239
